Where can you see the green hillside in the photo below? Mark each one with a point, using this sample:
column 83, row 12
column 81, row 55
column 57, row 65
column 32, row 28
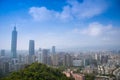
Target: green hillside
column 37, row 71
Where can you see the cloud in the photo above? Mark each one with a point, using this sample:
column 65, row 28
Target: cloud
column 74, row 10
column 42, row 13
column 96, row 29
column 87, row 9
column 66, row 14
column 99, row 35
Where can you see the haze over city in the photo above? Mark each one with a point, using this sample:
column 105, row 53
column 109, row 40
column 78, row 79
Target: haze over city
column 67, row 24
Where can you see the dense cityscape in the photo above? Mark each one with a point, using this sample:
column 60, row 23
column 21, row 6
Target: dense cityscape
column 101, row 65
column 59, row 40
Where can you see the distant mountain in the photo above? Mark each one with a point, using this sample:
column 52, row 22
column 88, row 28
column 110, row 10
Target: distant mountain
column 37, row 71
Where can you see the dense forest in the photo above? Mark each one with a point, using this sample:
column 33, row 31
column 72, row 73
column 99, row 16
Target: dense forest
column 37, row 71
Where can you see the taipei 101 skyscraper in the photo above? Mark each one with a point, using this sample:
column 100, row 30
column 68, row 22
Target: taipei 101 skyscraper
column 14, row 43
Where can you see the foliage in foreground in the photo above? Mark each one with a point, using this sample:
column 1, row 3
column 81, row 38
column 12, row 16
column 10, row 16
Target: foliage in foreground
column 37, row 71
column 89, row 77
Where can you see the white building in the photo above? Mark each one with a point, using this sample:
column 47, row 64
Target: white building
column 40, row 56
column 77, row 62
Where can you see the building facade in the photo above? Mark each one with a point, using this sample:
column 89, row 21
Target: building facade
column 14, row 43
column 31, row 47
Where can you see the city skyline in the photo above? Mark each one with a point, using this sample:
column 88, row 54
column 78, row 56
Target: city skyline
column 69, row 24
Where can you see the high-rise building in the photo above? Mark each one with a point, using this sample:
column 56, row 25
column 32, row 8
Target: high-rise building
column 14, row 43
column 40, row 56
column 67, row 60
column 45, row 53
column 2, row 52
column 29, row 59
column 54, row 59
column 31, row 47
column 53, row 50
column 44, row 56
column 5, row 67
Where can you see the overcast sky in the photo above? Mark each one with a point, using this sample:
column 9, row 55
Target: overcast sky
column 67, row 24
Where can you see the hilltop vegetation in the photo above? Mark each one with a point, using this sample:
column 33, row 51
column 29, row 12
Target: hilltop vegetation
column 37, row 71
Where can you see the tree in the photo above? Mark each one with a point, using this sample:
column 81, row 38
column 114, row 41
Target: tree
column 37, row 71
column 89, row 76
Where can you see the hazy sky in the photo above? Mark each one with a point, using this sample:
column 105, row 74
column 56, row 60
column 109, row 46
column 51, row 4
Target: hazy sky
column 64, row 23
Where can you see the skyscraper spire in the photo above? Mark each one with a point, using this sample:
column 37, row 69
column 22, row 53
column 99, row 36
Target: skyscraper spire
column 14, row 43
